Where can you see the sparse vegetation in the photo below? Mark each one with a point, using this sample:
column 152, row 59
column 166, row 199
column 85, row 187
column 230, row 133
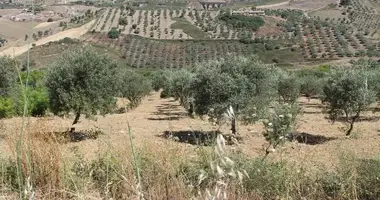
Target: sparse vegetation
column 183, row 103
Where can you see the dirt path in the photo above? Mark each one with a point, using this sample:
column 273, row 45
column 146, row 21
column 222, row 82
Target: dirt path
column 273, row 5
column 71, row 33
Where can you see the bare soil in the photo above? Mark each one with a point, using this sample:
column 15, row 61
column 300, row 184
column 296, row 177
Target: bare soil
column 71, row 33
column 319, row 143
column 301, row 4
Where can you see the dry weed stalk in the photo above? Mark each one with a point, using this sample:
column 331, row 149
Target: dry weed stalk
column 223, row 172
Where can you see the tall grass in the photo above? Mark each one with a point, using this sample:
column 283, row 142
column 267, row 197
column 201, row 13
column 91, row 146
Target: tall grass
column 166, row 174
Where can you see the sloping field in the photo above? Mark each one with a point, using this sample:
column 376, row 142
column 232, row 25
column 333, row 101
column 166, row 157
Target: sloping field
column 301, row 4
column 72, row 33
column 15, row 30
column 324, row 143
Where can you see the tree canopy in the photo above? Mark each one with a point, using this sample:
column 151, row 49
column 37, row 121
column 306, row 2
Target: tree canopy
column 83, row 82
column 245, row 84
column 347, row 95
column 8, row 74
column 134, row 87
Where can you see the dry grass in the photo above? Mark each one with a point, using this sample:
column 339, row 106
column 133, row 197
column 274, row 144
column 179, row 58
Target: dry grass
column 105, row 167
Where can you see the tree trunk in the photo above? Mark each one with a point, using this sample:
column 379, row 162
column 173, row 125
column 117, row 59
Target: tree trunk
column 191, row 109
column 233, row 126
column 352, row 124
column 77, row 116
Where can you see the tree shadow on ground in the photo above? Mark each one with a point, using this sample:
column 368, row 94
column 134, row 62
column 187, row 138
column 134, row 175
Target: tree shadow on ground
column 310, row 139
column 174, row 112
column 70, row 136
column 202, row 138
column 172, row 118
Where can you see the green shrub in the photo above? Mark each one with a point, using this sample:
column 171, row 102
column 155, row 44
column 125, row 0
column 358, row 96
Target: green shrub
column 134, row 87
column 6, row 107
column 242, row 21
column 114, row 33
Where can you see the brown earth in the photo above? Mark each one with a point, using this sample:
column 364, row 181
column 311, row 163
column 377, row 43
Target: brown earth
column 324, row 144
column 301, row 4
column 71, row 33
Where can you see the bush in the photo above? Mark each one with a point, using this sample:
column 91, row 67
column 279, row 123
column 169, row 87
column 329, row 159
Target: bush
column 6, row 108
column 279, row 127
column 8, row 75
column 38, row 102
column 114, row 33
column 289, row 88
column 242, row 21
column 123, row 21
column 311, row 86
column 134, row 87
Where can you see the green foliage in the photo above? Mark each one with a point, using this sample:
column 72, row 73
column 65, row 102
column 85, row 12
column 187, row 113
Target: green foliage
column 242, row 21
column 134, row 87
column 113, row 33
column 6, row 107
column 289, row 88
column 123, row 21
column 159, row 80
column 281, row 122
column 37, row 101
column 347, row 95
column 178, row 85
column 311, row 86
column 246, row 84
column 8, row 74
column 345, row 2
column 83, row 82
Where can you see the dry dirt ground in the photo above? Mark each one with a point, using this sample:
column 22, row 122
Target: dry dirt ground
column 71, row 33
column 15, row 30
column 301, row 4
column 326, row 142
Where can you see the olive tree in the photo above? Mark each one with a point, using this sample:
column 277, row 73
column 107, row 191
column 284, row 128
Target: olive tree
column 134, row 87
column 158, row 80
column 244, row 84
column 288, row 88
column 83, row 82
column 178, row 85
column 347, row 95
column 8, row 74
column 311, row 86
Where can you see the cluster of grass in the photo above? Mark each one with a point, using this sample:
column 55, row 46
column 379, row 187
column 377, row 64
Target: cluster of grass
column 188, row 28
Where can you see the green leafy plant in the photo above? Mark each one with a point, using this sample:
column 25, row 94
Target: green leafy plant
column 347, row 95
column 281, row 123
column 114, row 33
column 134, row 87
column 83, row 82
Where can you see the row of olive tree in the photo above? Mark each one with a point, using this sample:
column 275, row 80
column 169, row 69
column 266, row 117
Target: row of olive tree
column 255, row 90
column 80, row 82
